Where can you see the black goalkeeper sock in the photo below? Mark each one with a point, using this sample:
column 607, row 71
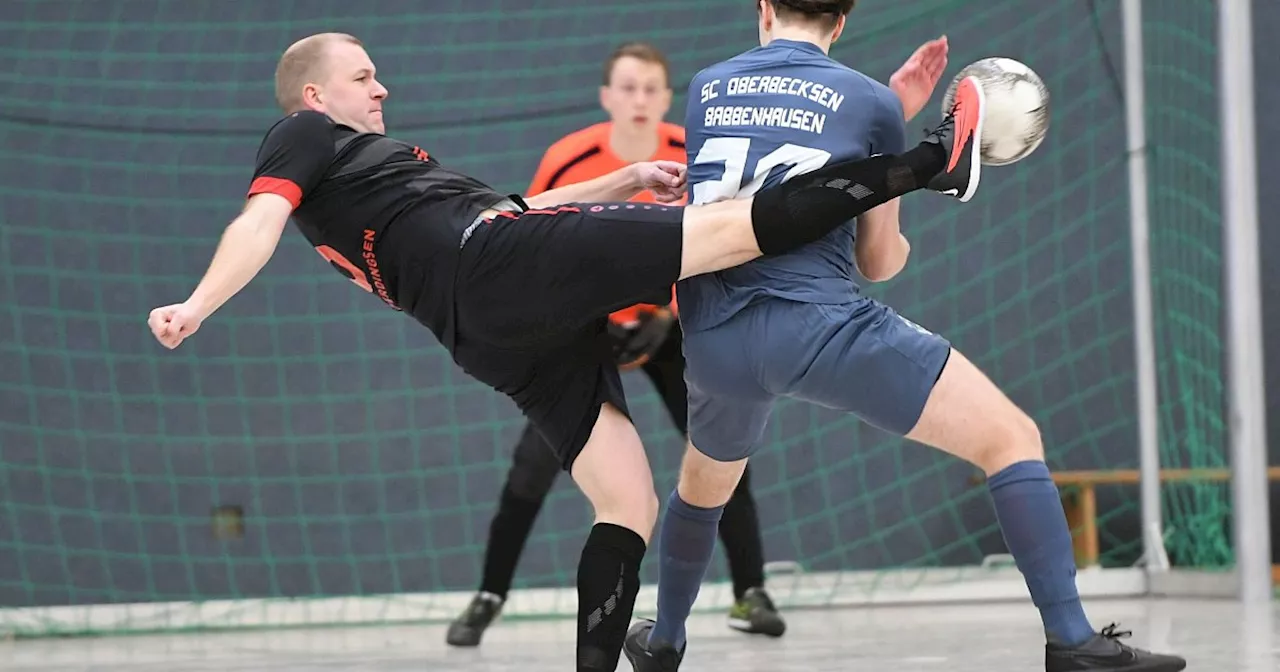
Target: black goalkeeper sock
column 808, row 207
column 508, row 533
column 608, row 580
column 740, row 534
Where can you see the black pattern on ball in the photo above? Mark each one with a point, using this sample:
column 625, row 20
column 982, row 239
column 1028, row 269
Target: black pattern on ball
column 998, row 77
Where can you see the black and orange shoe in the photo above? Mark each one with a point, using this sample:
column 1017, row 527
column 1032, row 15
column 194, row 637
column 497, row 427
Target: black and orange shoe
column 960, row 135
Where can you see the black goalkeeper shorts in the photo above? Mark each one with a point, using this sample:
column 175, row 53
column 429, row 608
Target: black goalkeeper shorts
column 533, row 294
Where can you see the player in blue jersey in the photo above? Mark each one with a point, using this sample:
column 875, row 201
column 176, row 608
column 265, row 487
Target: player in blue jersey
column 795, row 325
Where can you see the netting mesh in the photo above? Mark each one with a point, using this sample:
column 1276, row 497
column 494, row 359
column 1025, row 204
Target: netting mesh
column 1186, row 244
column 309, row 443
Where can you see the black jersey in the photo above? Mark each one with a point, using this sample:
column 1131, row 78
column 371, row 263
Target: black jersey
column 348, row 188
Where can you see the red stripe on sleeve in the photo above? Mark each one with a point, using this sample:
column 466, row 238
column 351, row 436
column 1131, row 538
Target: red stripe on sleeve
column 278, row 186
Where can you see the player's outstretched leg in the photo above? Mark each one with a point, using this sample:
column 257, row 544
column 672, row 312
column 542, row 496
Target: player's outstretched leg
column 533, row 471
column 968, row 416
column 809, row 206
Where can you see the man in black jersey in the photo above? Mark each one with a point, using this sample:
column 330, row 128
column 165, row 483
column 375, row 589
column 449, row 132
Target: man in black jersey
column 518, row 290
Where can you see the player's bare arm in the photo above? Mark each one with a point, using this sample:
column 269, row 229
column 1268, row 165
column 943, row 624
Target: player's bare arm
column 915, row 81
column 665, row 178
column 247, row 243
column 880, row 250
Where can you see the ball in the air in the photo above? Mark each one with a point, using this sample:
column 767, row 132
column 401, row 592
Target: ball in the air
column 1017, row 103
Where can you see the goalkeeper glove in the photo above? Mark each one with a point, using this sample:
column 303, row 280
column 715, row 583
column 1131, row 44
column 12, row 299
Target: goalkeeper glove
column 635, row 343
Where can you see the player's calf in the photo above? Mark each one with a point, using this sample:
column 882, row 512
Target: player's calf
column 968, row 416
column 687, row 540
column 613, row 472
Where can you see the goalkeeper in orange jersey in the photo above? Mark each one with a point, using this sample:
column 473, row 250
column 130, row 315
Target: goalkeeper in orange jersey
column 636, row 93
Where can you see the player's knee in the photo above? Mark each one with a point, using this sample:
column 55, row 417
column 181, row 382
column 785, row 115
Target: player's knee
column 707, row 482
column 637, row 511
column 1033, row 445
column 534, row 468
column 630, row 491
column 717, row 236
column 652, row 507
column 633, row 505
column 532, row 486
column 644, row 501
column 1016, row 440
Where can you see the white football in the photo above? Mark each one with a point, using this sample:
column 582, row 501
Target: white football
column 1017, row 103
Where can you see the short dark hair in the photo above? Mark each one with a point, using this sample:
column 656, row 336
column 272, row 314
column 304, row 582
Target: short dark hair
column 825, row 12
column 642, row 51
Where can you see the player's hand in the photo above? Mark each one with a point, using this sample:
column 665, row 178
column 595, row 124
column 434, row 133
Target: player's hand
column 915, row 81
column 666, row 179
column 173, row 324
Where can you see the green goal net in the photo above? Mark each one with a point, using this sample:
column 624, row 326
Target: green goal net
column 313, row 458
column 1186, row 244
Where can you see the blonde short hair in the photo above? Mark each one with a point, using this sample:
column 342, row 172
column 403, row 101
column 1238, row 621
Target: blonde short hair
column 304, row 62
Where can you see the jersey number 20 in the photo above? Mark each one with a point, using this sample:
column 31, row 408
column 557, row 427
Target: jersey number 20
column 733, row 153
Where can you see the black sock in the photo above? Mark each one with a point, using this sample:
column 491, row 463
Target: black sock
column 808, row 207
column 608, row 580
column 508, row 533
column 740, row 534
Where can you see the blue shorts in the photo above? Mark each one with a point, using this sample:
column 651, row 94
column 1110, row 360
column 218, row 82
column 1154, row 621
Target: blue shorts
column 860, row 357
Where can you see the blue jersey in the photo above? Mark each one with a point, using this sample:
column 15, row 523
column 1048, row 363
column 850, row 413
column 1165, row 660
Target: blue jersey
column 763, row 117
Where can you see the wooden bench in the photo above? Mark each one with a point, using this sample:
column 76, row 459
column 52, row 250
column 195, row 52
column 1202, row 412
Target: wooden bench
column 1079, row 500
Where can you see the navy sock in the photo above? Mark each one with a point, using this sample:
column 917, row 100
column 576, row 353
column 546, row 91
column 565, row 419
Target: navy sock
column 686, row 542
column 1035, row 530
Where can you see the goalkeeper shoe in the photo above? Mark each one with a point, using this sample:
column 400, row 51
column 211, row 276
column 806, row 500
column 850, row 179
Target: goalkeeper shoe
column 469, row 626
column 755, row 614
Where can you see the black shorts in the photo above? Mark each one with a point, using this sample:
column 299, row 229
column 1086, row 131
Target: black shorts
column 533, row 293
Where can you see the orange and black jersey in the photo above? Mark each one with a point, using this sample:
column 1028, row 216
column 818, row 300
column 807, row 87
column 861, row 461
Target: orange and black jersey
column 347, row 188
column 585, row 155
